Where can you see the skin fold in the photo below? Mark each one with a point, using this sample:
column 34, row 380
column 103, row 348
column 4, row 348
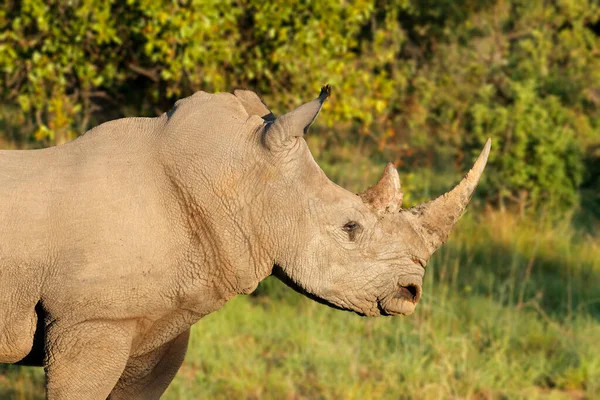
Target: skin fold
column 113, row 245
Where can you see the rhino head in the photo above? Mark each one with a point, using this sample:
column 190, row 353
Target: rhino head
column 363, row 253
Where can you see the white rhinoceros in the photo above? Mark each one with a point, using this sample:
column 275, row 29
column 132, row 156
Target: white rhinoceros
column 113, row 245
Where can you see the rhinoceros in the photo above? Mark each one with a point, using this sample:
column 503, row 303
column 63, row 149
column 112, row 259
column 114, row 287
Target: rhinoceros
column 113, row 245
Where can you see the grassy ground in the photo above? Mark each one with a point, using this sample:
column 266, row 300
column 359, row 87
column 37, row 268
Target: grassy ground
column 511, row 309
column 507, row 313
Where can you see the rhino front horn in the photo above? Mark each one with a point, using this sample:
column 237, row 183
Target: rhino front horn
column 434, row 220
column 294, row 124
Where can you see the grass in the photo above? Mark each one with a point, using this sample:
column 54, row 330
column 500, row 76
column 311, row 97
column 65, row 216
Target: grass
column 505, row 314
column 511, row 309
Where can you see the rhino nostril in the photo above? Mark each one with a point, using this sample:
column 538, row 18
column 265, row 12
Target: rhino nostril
column 409, row 292
column 413, row 290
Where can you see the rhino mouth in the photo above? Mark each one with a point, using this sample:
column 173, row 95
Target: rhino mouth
column 403, row 301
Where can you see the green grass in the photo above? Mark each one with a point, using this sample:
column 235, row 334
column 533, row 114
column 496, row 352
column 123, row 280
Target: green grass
column 505, row 314
column 466, row 348
column 510, row 310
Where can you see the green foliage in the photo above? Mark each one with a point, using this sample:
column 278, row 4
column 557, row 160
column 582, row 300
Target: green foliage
column 540, row 157
column 414, row 81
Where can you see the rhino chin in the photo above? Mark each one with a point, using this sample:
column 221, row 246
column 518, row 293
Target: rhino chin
column 403, row 302
column 279, row 274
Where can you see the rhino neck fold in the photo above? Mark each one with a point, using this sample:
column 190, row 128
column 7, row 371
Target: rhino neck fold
column 224, row 249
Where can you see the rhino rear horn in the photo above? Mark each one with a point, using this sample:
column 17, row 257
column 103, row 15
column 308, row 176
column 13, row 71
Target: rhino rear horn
column 294, row 124
column 434, row 220
column 386, row 195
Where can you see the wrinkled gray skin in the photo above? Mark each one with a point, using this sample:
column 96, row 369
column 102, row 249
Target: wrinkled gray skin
column 113, row 245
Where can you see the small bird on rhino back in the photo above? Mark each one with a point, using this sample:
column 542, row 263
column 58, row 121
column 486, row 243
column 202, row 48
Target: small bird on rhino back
column 113, row 245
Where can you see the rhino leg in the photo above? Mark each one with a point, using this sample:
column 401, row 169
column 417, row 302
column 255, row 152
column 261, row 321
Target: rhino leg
column 35, row 358
column 149, row 375
column 16, row 336
column 17, row 325
column 85, row 360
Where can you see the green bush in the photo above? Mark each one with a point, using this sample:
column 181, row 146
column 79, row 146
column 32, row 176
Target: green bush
column 539, row 161
column 416, row 82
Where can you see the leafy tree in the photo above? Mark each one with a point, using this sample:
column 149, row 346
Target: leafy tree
column 539, row 159
column 413, row 79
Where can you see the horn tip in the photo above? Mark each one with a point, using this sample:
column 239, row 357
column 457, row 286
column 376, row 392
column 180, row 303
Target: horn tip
column 325, row 93
column 483, row 157
column 488, row 145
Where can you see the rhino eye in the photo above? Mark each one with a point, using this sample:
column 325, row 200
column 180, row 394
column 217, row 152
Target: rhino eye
column 352, row 228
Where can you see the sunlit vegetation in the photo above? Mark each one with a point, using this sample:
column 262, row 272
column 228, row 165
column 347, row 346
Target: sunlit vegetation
column 511, row 304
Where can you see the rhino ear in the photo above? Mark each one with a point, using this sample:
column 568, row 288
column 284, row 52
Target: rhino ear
column 253, row 104
column 294, row 124
column 386, row 195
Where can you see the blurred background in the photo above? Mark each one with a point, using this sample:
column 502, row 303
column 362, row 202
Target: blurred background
column 511, row 304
